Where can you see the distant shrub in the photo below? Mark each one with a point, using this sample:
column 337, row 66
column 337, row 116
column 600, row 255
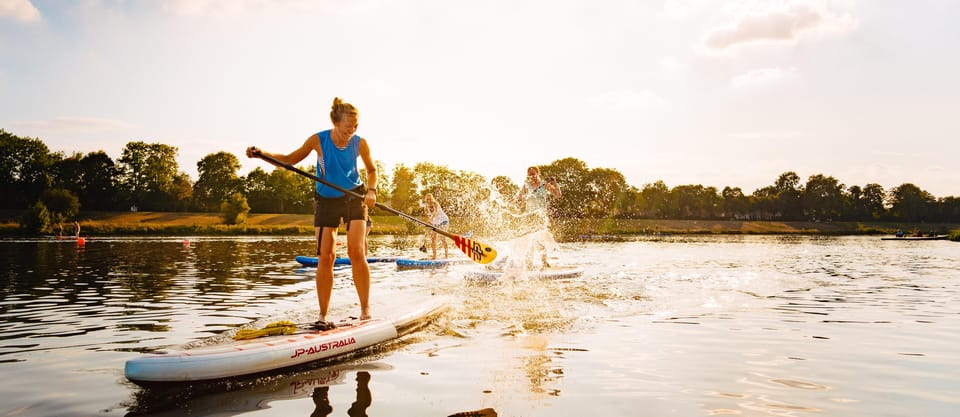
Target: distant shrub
column 37, row 219
column 235, row 209
column 62, row 204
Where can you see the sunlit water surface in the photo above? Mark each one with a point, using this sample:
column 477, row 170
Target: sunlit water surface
column 676, row 326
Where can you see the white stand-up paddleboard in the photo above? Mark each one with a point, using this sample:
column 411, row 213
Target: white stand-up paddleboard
column 404, row 263
column 548, row 273
column 246, row 357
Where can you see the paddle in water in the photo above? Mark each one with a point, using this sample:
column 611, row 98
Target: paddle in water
column 478, row 252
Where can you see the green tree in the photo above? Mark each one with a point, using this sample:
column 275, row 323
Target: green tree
column 404, row 192
column 853, row 204
column 787, row 200
column 26, row 169
column 68, row 173
column 864, row 203
column 632, row 205
column 62, row 204
column 292, row 193
column 823, row 197
column 148, row 174
column 573, row 177
column 657, row 197
column 92, row 178
column 910, row 203
column 735, row 204
column 693, row 201
column 181, row 192
column 218, row 180
column 99, row 184
column 608, row 189
column 872, row 201
column 435, row 179
column 763, row 203
column 949, row 209
column 257, row 189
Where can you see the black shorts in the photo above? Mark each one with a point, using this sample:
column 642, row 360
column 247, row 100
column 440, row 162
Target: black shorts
column 330, row 212
column 369, row 224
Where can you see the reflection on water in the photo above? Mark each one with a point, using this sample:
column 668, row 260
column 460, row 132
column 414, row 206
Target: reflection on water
column 685, row 325
column 241, row 396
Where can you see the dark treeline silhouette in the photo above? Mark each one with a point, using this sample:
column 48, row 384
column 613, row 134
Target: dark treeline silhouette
column 146, row 177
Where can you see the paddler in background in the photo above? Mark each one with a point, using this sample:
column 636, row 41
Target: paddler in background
column 533, row 200
column 337, row 151
column 438, row 219
column 533, row 194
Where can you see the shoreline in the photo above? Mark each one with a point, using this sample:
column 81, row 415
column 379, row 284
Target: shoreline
column 189, row 224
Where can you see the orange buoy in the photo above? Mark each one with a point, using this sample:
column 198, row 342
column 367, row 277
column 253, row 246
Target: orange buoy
column 81, row 241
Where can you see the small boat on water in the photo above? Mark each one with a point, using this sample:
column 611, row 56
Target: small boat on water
column 936, row 237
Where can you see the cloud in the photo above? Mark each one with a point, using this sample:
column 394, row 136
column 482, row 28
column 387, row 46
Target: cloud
column 234, row 8
column 672, row 67
column 198, row 8
column 675, row 9
column 73, row 124
column 763, row 77
column 773, row 135
column 629, row 101
column 776, row 22
column 21, row 10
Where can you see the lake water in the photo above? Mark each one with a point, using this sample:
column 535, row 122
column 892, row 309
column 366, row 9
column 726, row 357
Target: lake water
column 677, row 326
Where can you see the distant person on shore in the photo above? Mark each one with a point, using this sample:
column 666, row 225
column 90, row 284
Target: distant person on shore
column 438, row 219
column 337, row 152
column 900, row 233
column 76, row 229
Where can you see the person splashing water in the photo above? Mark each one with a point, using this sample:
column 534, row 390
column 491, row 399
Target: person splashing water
column 534, row 199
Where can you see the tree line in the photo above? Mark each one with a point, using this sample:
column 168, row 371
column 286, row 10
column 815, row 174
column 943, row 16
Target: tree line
column 147, row 177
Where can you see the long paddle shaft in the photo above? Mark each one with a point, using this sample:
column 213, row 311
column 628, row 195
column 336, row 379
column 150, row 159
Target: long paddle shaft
column 477, row 251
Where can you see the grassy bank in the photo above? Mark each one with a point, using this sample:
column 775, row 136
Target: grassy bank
column 189, row 224
column 572, row 230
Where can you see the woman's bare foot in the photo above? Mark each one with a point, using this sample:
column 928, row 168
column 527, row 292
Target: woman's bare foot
column 365, row 314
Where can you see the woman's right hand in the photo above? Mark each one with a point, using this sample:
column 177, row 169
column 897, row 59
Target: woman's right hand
column 253, row 152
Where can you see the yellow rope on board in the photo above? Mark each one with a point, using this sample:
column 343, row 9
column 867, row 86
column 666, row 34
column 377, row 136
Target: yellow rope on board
column 272, row 329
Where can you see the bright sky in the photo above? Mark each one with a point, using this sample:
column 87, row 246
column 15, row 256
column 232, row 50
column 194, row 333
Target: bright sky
column 718, row 93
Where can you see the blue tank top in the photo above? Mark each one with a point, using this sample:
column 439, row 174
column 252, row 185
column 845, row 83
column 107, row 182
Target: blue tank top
column 338, row 166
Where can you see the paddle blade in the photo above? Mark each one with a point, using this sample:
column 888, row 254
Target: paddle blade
column 272, row 329
column 477, row 251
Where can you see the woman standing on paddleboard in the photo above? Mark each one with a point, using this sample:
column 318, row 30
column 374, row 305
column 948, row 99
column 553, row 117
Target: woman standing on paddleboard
column 337, row 151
